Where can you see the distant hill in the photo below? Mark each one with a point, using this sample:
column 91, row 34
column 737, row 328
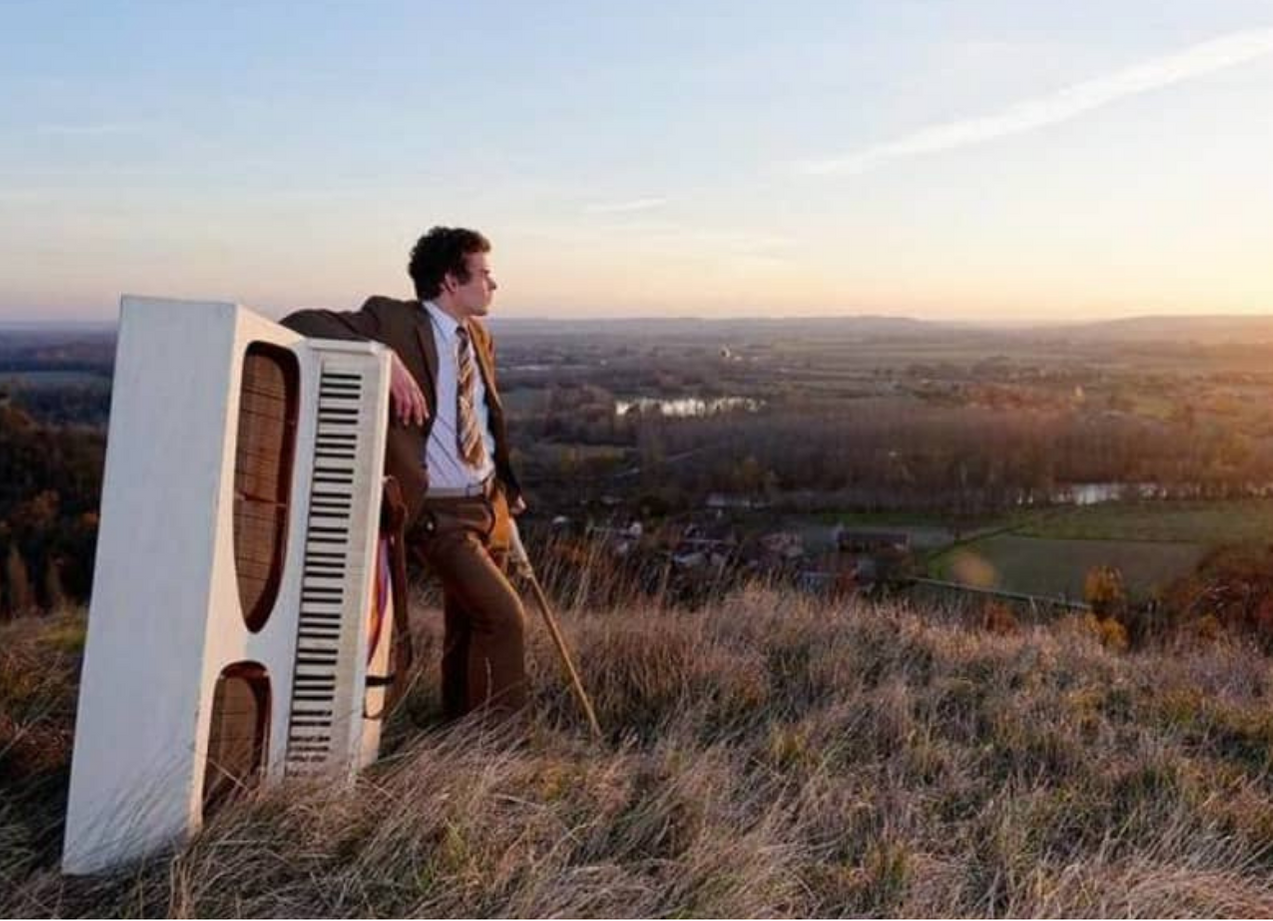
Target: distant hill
column 59, row 346
column 94, row 343
column 1203, row 330
column 865, row 326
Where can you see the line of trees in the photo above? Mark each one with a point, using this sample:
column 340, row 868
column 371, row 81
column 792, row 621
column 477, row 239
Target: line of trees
column 951, row 459
column 886, row 453
column 50, row 486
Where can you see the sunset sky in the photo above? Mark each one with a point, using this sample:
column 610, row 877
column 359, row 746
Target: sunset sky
column 941, row 159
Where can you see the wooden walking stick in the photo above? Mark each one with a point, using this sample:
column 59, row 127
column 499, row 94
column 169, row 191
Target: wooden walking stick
column 522, row 566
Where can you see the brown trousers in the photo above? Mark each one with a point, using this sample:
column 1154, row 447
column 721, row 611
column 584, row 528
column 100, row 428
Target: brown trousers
column 463, row 541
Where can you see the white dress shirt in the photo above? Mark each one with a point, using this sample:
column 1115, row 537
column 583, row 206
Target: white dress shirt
column 442, row 454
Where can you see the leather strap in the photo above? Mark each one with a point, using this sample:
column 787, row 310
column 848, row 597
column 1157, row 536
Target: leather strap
column 393, row 518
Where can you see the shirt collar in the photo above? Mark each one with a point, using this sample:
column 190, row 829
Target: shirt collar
column 444, row 325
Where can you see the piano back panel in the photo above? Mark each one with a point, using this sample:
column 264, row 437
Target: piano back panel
column 238, row 734
column 264, row 458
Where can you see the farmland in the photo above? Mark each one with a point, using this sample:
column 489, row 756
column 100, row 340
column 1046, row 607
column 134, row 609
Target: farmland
column 1152, row 544
column 978, row 444
column 1057, row 566
column 1211, row 522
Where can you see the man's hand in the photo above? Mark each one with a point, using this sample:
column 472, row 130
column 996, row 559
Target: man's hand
column 405, row 396
column 518, row 559
column 517, row 506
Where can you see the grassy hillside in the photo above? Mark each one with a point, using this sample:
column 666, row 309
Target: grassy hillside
column 768, row 755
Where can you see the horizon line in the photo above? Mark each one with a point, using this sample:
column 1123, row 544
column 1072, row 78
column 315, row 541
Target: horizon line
column 1018, row 324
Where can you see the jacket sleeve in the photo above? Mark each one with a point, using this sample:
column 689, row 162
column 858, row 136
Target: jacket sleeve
column 362, row 324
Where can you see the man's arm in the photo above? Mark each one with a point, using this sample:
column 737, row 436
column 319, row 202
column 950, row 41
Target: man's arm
column 332, row 324
column 407, row 400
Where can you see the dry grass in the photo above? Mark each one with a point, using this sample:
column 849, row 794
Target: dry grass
column 768, row 755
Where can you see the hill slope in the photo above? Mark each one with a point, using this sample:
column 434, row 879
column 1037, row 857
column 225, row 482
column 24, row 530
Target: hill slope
column 768, row 755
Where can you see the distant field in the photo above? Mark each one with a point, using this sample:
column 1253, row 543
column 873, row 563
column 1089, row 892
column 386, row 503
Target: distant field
column 898, row 520
column 1153, row 405
column 1151, row 543
column 37, row 379
column 1050, row 552
column 926, row 532
column 1211, row 522
column 525, row 401
column 1057, row 566
column 586, row 452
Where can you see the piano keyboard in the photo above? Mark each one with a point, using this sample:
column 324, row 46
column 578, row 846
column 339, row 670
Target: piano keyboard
column 326, row 707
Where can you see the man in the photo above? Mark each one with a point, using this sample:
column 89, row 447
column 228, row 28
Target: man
column 448, row 450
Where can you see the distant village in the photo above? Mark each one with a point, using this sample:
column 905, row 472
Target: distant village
column 722, row 538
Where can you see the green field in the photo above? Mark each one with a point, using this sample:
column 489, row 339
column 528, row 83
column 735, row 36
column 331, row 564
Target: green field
column 1057, row 566
column 1048, row 552
column 1201, row 522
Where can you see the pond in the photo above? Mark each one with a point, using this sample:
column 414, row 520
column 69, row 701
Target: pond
column 1096, row 493
column 687, row 406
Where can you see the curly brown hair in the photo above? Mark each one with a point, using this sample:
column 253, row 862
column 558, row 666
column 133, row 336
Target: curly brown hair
column 443, row 250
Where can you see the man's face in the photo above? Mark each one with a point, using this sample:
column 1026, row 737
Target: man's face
column 473, row 297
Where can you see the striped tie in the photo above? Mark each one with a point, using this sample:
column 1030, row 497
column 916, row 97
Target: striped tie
column 468, row 434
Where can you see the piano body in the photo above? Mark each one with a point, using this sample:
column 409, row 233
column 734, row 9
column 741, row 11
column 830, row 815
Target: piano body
column 239, row 599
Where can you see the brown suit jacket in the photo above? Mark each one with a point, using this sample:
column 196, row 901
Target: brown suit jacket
column 405, row 327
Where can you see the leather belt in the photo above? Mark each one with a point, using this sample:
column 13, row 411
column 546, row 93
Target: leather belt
column 484, row 489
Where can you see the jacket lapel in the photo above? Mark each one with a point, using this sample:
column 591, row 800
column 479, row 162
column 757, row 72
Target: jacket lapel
column 429, row 351
column 483, row 352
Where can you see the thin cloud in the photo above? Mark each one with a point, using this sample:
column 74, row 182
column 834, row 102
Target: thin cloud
column 92, row 129
column 738, row 241
column 1063, row 105
column 626, row 207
